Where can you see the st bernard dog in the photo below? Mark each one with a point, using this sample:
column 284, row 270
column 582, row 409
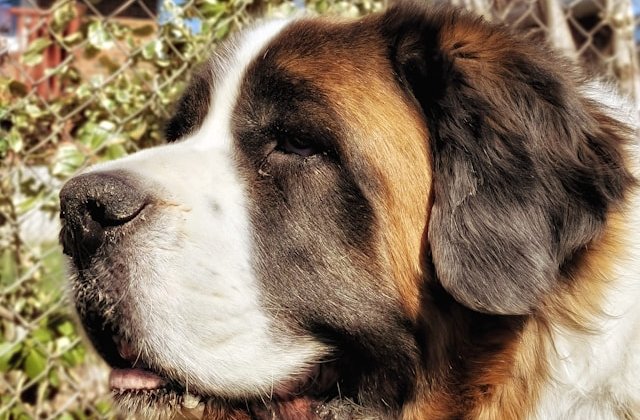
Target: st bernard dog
column 414, row 215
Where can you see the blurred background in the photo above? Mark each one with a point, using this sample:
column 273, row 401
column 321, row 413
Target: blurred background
column 82, row 81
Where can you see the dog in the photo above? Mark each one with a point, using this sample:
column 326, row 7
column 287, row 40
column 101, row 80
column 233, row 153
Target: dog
column 413, row 215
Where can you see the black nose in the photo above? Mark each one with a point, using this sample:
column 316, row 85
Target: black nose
column 92, row 203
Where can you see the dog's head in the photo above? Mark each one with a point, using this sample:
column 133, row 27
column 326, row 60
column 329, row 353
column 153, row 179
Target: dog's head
column 327, row 188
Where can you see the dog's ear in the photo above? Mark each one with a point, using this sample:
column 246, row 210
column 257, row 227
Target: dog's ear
column 192, row 107
column 525, row 169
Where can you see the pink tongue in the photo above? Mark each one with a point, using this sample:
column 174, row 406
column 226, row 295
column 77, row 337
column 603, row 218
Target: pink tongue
column 121, row 379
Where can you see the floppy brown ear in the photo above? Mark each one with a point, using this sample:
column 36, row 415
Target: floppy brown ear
column 525, row 170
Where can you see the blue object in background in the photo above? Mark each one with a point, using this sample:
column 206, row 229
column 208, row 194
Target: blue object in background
column 636, row 15
column 195, row 24
column 165, row 16
column 7, row 21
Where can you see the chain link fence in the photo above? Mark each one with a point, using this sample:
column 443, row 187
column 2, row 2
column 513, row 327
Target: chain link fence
column 82, row 81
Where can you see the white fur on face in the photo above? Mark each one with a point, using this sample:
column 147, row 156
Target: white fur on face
column 193, row 294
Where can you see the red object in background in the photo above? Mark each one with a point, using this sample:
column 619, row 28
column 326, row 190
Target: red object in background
column 32, row 24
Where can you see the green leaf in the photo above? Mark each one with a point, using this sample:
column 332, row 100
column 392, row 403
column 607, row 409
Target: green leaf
column 66, row 416
column 115, row 151
column 152, row 49
column 138, row 131
column 32, row 59
column 29, row 203
column 84, row 91
column 38, row 45
column 144, row 31
column 108, row 63
column 8, row 268
column 62, row 344
column 123, row 96
column 74, row 356
column 66, row 328
column 33, row 110
column 72, row 39
column 163, row 63
column 33, row 55
column 54, row 379
column 34, row 364
column 98, row 37
column 18, row 88
column 103, row 407
column 214, row 8
column 63, row 13
column 90, row 52
column 18, row 413
column 42, row 335
column 15, row 142
column 55, row 71
column 223, row 29
column 68, row 160
column 7, row 351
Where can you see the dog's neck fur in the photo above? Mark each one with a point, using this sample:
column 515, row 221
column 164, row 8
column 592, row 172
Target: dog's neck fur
column 575, row 358
column 594, row 373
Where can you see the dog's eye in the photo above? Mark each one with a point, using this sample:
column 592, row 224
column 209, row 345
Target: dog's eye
column 297, row 146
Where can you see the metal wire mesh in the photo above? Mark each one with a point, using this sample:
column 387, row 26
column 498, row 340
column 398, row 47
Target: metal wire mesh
column 84, row 81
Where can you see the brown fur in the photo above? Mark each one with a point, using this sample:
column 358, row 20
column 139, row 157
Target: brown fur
column 473, row 371
column 358, row 80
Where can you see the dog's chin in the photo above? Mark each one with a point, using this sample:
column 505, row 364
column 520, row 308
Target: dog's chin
column 138, row 388
column 168, row 400
column 169, row 403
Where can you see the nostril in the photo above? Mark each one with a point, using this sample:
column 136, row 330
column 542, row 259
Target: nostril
column 107, row 217
column 92, row 232
column 97, row 212
column 91, row 204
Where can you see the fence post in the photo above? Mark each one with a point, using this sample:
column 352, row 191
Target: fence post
column 31, row 25
column 558, row 28
column 619, row 14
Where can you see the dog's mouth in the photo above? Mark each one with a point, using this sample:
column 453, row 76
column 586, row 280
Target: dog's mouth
column 138, row 376
column 138, row 386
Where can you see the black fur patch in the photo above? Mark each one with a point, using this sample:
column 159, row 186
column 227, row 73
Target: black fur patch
column 193, row 106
